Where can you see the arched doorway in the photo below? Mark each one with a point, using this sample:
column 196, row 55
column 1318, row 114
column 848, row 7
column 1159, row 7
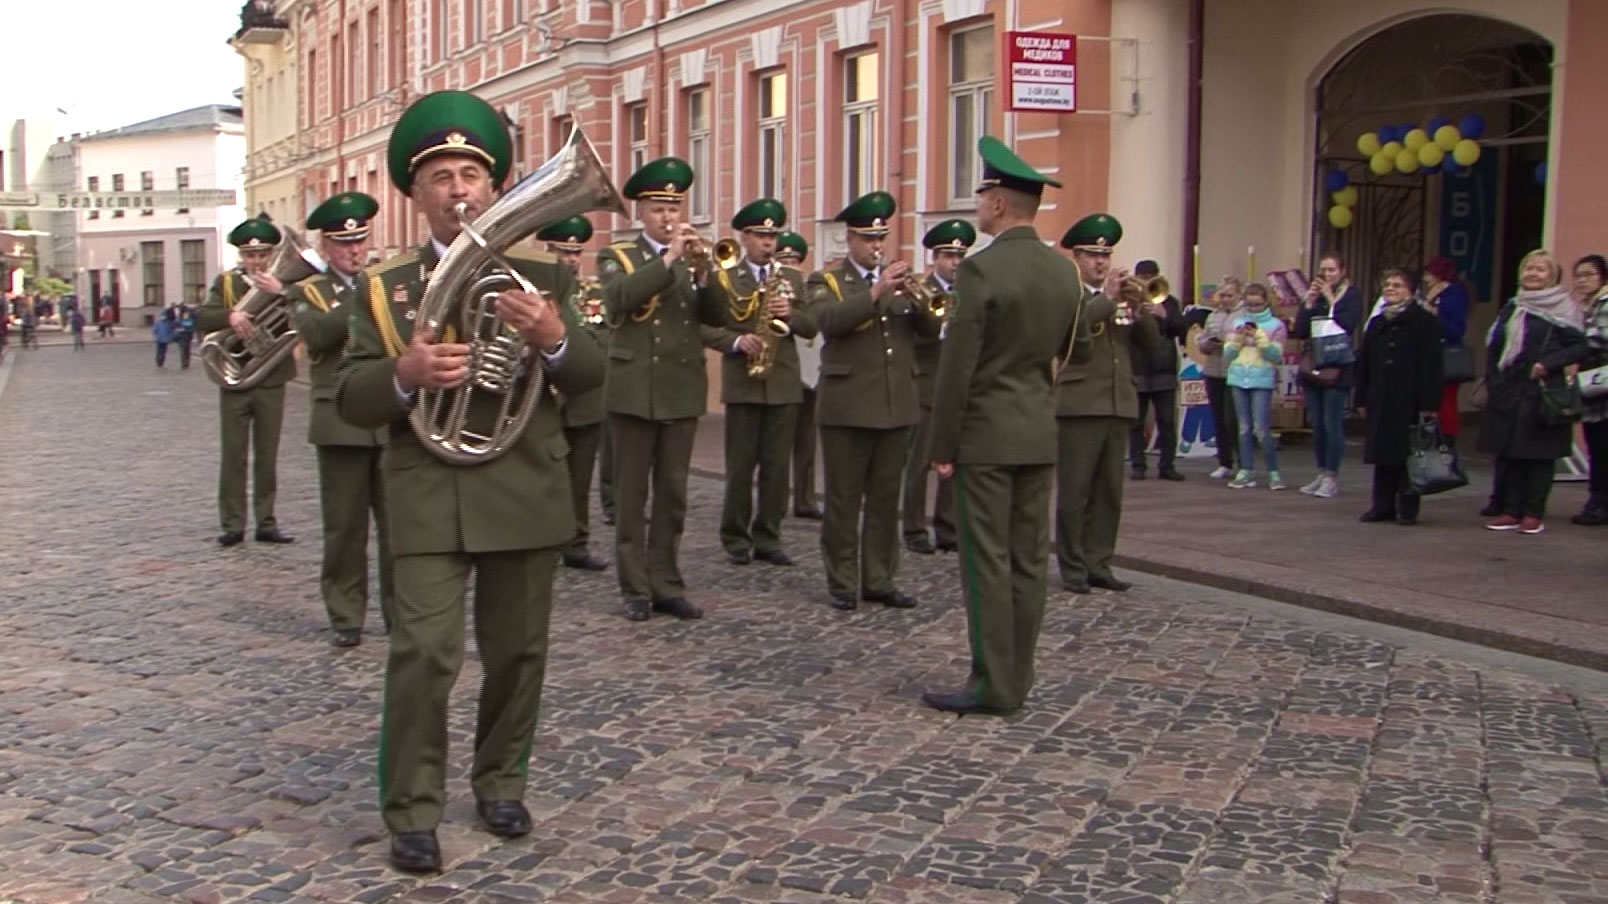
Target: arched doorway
column 1484, row 217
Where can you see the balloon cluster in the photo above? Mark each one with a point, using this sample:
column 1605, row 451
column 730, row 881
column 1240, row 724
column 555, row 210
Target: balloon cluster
column 1438, row 147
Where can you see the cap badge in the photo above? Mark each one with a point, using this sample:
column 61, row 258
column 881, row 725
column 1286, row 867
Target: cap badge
column 253, row 242
column 876, row 221
column 1100, row 241
column 456, row 138
column 351, row 223
column 769, row 222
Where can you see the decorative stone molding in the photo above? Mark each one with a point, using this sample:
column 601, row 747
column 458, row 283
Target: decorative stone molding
column 955, row 10
column 633, row 82
column 853, row 24
column 693, row 66
column 766, row 47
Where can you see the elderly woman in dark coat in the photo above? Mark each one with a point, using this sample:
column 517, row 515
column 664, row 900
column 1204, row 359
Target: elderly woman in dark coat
column 1536, row 336
column 1398, row 381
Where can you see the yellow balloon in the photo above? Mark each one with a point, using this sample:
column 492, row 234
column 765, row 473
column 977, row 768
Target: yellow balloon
column 1431, row 154
column 1467, row 152
column 1416, row 139
column 1346, row 197
column 1448, row 137
column 1407, row 161
column 1393, row 148
column 1381, row 163
column 1339, row 217
column 1368, row 144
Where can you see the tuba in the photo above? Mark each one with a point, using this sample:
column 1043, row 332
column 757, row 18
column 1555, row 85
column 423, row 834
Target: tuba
column 484, row 417
column 771, row 330
column 239, row 364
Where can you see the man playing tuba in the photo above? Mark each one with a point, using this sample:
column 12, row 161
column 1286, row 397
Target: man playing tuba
column 759, row 295
column 251, row 416
column 504, row 520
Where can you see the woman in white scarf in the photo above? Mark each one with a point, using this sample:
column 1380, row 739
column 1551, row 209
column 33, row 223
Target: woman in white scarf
column 1537, row 335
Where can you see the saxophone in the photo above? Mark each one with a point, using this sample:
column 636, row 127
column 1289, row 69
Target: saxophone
column 771, row 330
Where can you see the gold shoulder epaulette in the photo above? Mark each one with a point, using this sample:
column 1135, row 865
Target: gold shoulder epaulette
column 406, row 258
column 623, row 245
column 532, row 254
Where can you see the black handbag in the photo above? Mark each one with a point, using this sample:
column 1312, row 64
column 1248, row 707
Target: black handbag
column 1431, row 465
column 1561, row 403
column 1457, row 364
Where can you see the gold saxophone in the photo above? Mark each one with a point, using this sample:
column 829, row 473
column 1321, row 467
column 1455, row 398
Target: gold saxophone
column 771, row 330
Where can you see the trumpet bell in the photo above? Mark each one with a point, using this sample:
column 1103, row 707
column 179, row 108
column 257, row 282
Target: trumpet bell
column 727, row 253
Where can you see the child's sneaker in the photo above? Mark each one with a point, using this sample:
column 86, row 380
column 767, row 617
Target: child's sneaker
column 1312, row 487
column 1242, row 481
column 1274, row 481
column 1329, row 489
column 1222, row 473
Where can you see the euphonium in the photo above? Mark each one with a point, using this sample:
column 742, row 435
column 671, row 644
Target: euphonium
column 484, row 417
column 239, row 364
column 771, row 330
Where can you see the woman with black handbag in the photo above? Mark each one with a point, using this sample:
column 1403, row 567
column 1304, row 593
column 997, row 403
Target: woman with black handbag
column 1398, row 381
column 1447, row 298
column 1527, row 422
column 1591, row 288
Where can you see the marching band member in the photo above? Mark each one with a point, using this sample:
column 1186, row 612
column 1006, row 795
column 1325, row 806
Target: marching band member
column 791, row 251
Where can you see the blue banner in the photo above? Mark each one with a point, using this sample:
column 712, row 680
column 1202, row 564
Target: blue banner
column 1468, row 222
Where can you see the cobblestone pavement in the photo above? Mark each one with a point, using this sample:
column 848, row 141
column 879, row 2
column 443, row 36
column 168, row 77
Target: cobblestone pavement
column 174, row 725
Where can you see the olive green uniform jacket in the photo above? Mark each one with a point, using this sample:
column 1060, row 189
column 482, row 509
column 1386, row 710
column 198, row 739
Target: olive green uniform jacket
column 868, row 364
column 784, row 385
column 323, row 307
column 520, row 500
column 213, row 315
column 655, row 351
column 1101, row 382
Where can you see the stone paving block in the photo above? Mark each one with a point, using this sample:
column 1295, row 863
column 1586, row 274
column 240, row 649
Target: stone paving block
column 1147, row 840
column 674, row 871
column 922, row 788
column 1278, row 841
column 826, row 869
column 1422, row 809
column 977, row 864
column 1214, row 885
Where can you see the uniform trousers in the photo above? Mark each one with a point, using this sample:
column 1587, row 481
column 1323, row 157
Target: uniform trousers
column 917, row 470
column 758, row 438
column 805, row 439
column 249, row 418
column 1004, row 554
column 652, row 455
column 350, row 490
column 860, row 527
column 583, row 443
column 1088, row 502
column 605, row 469
column 513, row 598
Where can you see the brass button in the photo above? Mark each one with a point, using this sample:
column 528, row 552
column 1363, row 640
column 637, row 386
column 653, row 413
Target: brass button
column 890, row 351
column 884, row 318
column 655, row 358
column 655, row 321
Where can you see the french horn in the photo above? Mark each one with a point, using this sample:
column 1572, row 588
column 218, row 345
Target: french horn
column 484, row 417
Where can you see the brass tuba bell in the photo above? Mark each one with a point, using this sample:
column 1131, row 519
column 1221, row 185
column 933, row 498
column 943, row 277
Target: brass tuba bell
column 484, row 417
column 239, row 364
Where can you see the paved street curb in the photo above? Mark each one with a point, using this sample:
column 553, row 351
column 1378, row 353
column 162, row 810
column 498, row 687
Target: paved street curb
column 1513, row 630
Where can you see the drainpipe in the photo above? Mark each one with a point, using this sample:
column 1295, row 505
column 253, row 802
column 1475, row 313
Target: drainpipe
column 340, row 84
column 896, row 104
column 662, row 80
column 1197, row 35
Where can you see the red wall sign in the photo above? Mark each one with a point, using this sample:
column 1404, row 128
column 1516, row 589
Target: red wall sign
column 1044, row 72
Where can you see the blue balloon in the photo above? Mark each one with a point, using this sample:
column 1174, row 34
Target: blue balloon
column 1431, row 170
column 1472, row 126
column 1451, row 167
column 1387, row 134
column 1335, row 181
column 1541, row 173
column 1436, row 123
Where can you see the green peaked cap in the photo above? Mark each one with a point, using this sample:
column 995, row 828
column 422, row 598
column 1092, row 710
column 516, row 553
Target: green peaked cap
column 448, row 122
column 1097, row 232
column 254, row 233
column 345, row 217
column 869, row 214
column 792, row 241
column 767, row 215
column 568, row 235
column 950, row 235
column 665, row 179
column 1003, row 169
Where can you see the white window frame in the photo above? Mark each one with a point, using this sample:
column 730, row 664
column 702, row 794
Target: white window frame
column 772, row 172
column 474, row 22
column 700, row 150
column 636, row 143
column 865, row 111
column 966, row 169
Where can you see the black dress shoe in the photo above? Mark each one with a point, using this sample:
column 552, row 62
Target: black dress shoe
column 961, row 702
column 1137, row 474
column 232, row 538
column 678, row 607
column 774, row 557
column 947, row 546
column 739, row 558
column 1109, row 583
column 507, row 818
column 416, row 852
column 1406, row 520
column 1374, row 515
column 636, row 610
column 1171, row 475
column 348, row 637
column 843, row 602
column 1076, row 586
column 920, row 545
column 1591, row 517
column 272, row 535
column 893, row 599
column 585, row 562
column 808, row 514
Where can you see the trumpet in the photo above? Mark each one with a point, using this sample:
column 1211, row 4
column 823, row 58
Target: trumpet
column 1133, row 295
column 914, row 287
column 702, row 256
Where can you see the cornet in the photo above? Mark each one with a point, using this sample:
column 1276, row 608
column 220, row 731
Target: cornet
column 702, row 256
